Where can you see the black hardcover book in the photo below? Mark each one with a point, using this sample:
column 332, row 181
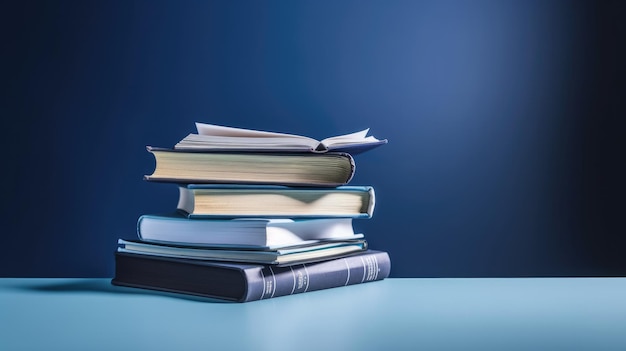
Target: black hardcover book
column 246, row 282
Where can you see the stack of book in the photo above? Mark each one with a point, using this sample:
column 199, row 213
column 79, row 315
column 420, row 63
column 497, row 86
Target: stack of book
column 259, row 215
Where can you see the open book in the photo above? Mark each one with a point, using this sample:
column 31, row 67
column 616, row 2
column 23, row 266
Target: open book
column 219, row 138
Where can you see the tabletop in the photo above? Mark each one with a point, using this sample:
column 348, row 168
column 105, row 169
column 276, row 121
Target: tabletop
column 393, row 314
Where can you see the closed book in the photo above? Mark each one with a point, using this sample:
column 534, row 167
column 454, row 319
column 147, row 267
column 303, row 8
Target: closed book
column 246, row 282
column 175, row 228
column 306, row 253
column 234, row 200
column 281, row 168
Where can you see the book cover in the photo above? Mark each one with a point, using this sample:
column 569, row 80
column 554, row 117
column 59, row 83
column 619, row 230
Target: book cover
column 236, row 200
column 246, row 282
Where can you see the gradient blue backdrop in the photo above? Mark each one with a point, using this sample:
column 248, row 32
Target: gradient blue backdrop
column 504, row 154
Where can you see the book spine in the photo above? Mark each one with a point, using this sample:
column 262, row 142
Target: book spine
column 352, row 167
column 272, row 281
column 372, row 202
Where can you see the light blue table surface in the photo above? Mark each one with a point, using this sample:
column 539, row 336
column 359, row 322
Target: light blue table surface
column 394, row 314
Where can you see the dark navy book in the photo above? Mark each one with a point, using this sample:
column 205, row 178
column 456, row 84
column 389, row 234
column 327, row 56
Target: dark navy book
column 246, row 282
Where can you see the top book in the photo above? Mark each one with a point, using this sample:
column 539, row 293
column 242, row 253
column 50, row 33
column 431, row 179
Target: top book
column 220, row 138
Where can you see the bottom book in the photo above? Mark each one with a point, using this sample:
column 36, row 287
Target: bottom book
column 246, row 282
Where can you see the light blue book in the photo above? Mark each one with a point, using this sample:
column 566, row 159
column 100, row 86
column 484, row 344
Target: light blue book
column 177, row 229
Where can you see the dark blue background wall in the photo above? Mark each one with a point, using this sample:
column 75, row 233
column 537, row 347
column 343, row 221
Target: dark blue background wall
column 505, row 151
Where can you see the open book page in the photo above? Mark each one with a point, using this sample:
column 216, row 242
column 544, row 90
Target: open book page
column 215, row 130
column 214, row 137
column 210, row 142
column 358, row 138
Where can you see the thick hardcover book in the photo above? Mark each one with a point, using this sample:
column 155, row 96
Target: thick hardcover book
column 175, row 228
column 234, row 200
column 280, row 168
column 246, row 282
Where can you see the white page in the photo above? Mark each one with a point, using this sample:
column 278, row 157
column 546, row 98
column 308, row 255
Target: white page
column 354, row 138
column 221, row 137
column 247, row 141
column 215, row 130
